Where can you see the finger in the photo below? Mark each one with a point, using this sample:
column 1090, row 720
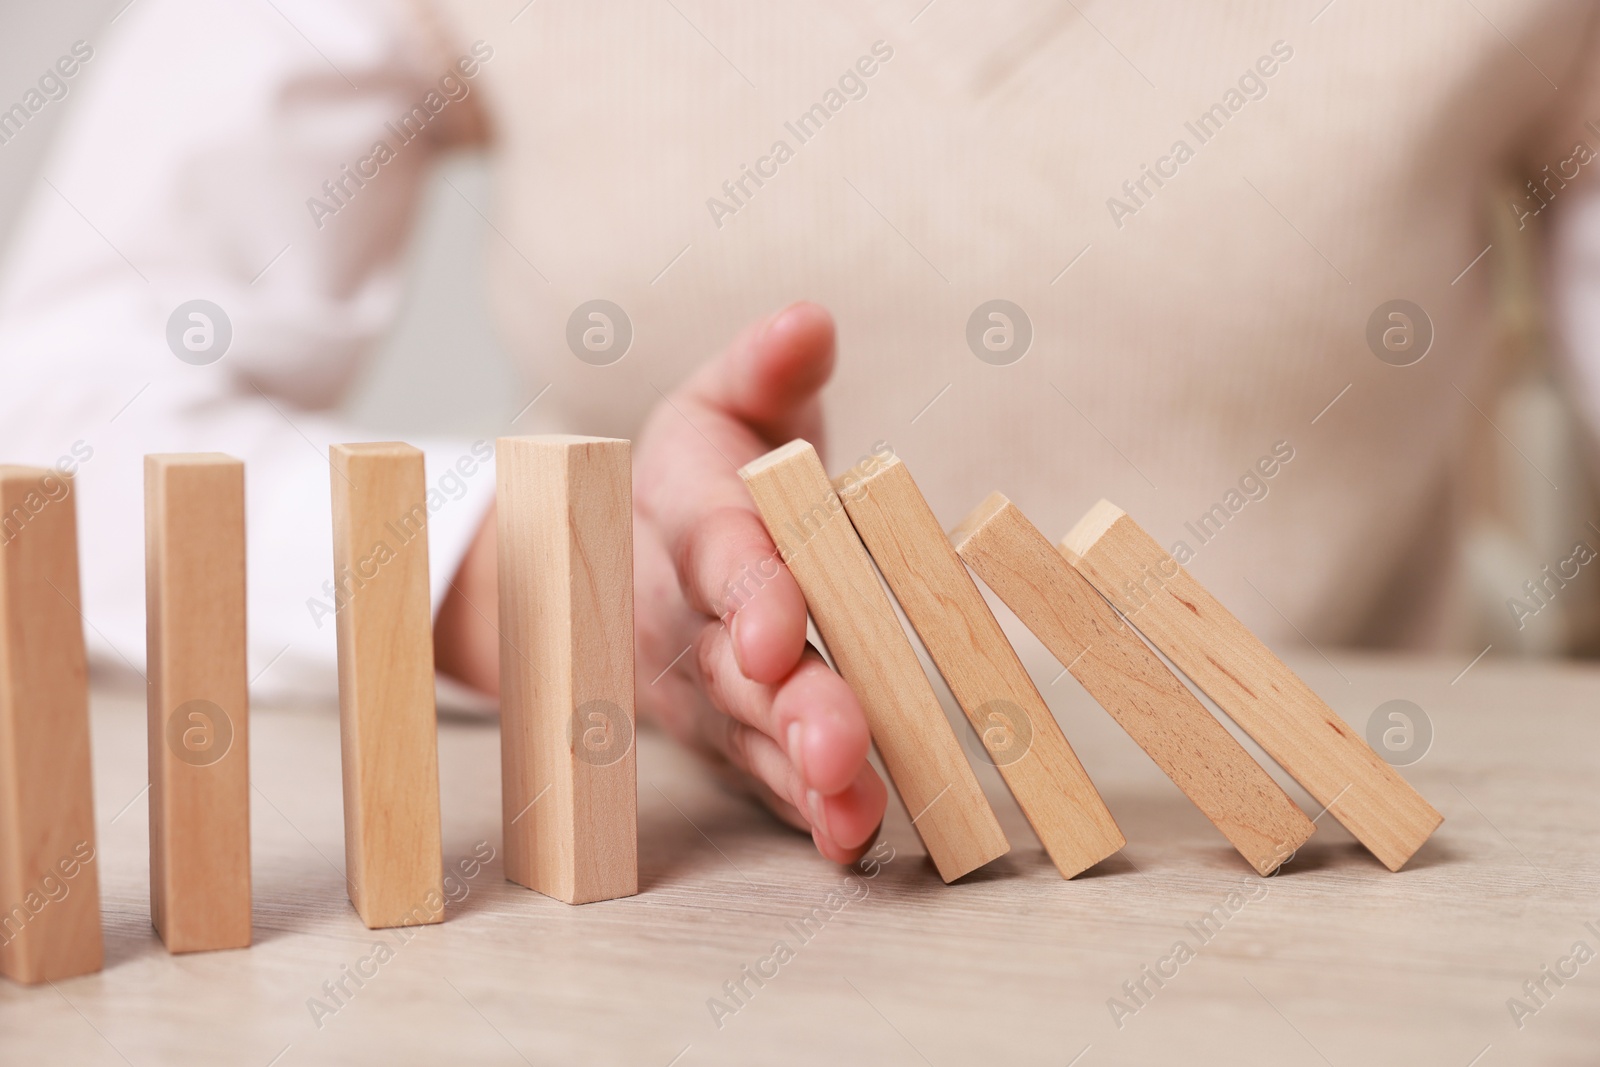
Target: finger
column 765, row 383
column 852, row 817
column 730, row 569
column 854, row 814
column 812, row 715
column 781, row 808
column 758, row 756
column 769, row 377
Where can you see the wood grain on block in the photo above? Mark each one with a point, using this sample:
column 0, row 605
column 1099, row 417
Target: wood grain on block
column 960, row 633
column 388, row 731
column 1118, row 669
column 816, row 541
column 49, row 881
column 1255, row 688
column 198, row 701
column 569, row 783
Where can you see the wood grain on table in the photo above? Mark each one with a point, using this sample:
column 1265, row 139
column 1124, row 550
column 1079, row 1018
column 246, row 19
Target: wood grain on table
column 1334, row 960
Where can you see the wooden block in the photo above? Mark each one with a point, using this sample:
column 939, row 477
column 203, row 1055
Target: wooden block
column 49, row 884
column 979, row 664
column 387, row 722
column 569, row 787
column 1118, row 669
column 198, row 701
column 815, row 540
column 1260, row 693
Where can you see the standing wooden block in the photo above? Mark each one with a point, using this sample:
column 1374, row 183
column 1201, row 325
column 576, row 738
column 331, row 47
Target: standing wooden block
column 569, row 789
column 1148, row 701
column 387, row 722
column 49, row 886
column 198, row 701
column 979, row 664
column 816, row 541
column 1260, row 693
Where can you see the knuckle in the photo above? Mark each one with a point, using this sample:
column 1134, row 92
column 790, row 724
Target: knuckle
column 706, row 557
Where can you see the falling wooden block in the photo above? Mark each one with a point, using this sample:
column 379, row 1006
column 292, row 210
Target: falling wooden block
column 198, row 701
column 979, row 664
column 1118, row 669
column 387, row 721
column 1255, row 688
column 806, row 519
column 49, row 885
column 569, row 786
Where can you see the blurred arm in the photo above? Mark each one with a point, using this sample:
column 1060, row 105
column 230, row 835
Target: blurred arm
column 193, row 166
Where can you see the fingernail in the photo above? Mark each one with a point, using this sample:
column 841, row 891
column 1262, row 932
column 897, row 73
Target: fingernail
column 795, row 737
column 819, row 814
column 776, row 318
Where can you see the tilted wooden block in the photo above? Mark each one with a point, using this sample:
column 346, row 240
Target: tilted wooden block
column 1255, row 688
column 1148, row 701
column 49, row 884
column 198, row 701
column 387, row 721
column 569, row 782
column 979, row 664
column 806, row 519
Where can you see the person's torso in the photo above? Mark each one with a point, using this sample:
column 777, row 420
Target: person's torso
column 1196, row 213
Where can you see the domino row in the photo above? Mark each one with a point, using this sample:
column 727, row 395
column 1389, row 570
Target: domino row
column 566, row 661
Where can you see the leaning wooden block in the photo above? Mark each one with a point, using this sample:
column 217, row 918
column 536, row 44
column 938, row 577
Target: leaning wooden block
column 816, row 541
column 569, row 788
column 387, row 721
column 198, row 701
column 49, row 886
column 1148, row 701
column 979, row 664
column 1260, row 693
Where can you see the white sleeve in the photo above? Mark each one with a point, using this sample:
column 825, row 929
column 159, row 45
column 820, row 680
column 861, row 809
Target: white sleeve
column 198, row 144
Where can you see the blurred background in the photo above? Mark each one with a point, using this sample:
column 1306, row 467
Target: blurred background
column 1518, row 521
column 406, row 388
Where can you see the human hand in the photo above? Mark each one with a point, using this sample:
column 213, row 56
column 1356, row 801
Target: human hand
column 729, row 674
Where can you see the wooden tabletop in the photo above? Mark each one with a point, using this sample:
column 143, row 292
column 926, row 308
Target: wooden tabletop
column 1334, row 961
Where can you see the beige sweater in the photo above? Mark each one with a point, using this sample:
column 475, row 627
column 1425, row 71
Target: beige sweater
column 1198, row 208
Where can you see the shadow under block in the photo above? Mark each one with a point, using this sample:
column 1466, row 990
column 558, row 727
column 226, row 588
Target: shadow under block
column 1127, row 679
column 387, row 721
column 980, row 666
column 1255, row 688
column 198, row 701
column 806, row 519
column 46, row 797
column 570, row 792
